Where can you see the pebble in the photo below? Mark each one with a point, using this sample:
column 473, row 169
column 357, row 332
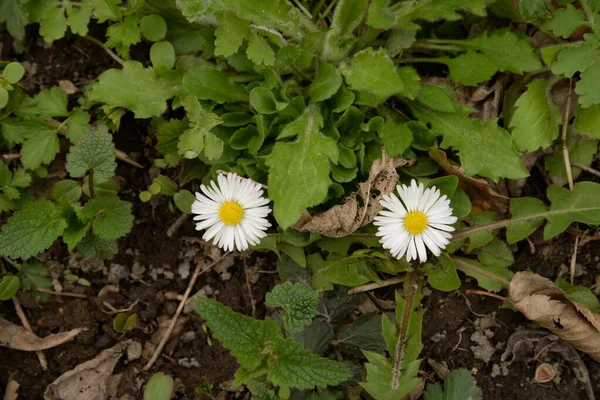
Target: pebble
column 117, row 272
column 134, row 351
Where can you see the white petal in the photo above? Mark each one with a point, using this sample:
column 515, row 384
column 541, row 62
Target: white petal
column 421, row 248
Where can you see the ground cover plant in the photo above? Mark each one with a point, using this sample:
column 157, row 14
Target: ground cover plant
column 320, row 199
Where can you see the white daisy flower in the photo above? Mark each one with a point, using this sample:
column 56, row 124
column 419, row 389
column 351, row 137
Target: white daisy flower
column 232, row 212
column 419, row 218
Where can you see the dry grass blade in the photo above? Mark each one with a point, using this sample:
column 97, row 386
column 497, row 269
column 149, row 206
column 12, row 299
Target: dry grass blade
column 18, row 338
column 344, row 219
column 12, row 389
column 542, row 301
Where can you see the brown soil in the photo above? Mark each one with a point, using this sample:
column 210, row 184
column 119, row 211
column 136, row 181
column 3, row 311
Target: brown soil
column 449, row 321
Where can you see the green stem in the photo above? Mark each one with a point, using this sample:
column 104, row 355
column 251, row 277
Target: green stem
column 589, row 14
column 329, row 8
column 407, row 60
column 308, row 23
column 317, row 8
column 106, row 49
column 442, row 47
column 303, row 9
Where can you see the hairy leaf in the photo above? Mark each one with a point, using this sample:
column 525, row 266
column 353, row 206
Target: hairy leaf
column 31, row 230
column 536, row 121
column 207, row 83
column 112, row 216
column 93, row 246
column 326, row 84
column 299, row 170
column 94, row 151
column 298, row 301
column 587, row 88
column 230, row 34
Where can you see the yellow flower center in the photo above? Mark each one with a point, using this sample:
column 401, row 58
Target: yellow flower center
column 415, row 222
column 231, row 213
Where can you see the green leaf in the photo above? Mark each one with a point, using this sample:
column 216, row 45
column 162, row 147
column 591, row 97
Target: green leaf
column 350, row 271
column 13, row 72
column 580, row 205
column 536, row 121
column 198, row 138
column 300, row 368
column 299, row 170
column 484, row 149
column 14, row 14
column 587, row 120
column 31, row 230
column 245, row 337
column 78, row 19
column 124, row 34
column 77, row 228
column 53, row 24
column 581, row 148
column 259, row 51
column 579, row 294
column 566, row 20
column 586, row 87
column 93, row 246
column 94, row 151
column 471, row 68
column 68, row 188
column 183, row 200
column 167, row 135
column 326, row 84
column 363, row 334
column 39, row 148
column 298, row 301
column 106, row 10
column 507, row 49
column 396, row 138
column 490, row 278
column 230, row 34
column 524, row 223
column 578, row 57
column 153, row 27
column 495, row 254
column 162, row 54
column 20, row 178
column 112, row 216
column 374, row 72
column 458, row 385
column 339, row 39
column 3, row 97
column 159, row 387
column 444, row 276
column 264, row 101
column 35, row 275
column 9, row 286
column 47, row 104
column 207, row 83
column 77, row 124
column 136, row 88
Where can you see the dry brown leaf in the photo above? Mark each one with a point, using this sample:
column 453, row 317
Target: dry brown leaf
column 483, row 197
column 344, row 219
column 92, row 380
column 11, row 390
column 542, row 301
column 163, row 325
column 18, row 338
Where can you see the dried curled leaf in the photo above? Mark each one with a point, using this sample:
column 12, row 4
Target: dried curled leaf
column 542, row 301
column 344, row 219
column 479, row 190
column 91, row 380
column 18, row 338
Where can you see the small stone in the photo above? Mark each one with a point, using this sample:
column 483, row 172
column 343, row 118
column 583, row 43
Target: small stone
column 137, row 271
column 188, row 336
column 117, row 272
column 184, row 269
column 426, row 291
column 67, row 86
column 134, row 351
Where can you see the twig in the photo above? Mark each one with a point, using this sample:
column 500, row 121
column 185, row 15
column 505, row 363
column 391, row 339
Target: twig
column 11, row 156
column 488, row 294
column 66, row 294
column 563, row 139
column 177, row 224
column 167, row 334
column 374, row 285
column 585, row 168
column 573, row 260
column 252, row 301
column 25, row 322
column 106, row 49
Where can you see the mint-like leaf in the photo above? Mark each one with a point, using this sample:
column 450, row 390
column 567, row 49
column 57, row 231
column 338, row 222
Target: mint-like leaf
column 298, row 301
column 31, row 230
column 299, row 170
column 458, row 385
column 94, row 151
column 47, row 104
column 536, row 121
column 93, row 246
column 134, row 87
column 112, row 216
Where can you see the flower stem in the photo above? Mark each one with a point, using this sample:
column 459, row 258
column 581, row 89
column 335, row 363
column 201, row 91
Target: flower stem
column 106, row 49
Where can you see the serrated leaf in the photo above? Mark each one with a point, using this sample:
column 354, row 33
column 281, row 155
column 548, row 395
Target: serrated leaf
column 299, row 170
column 298, row 301
column 230, row 34
column 458, row 385
column 39, row 148
column 35, row 275
column 136, row 88
column 76, row 228
column 374, row 72
column 167, row 135
column 207, row 83
column 243, row 336
column 471, row 68
column 495, row 254
column 580, row 205
column 444, row 276
column 587, row 120
column 106, row 10
column 300, row 368
column 112, row 216
column 259, row 51
column 484, row 148
column 94, row 151
column 581, row 148
column 20, row 178
column 396, row 138
column 490, row 278
column 364, row 334
column 350, row 271
column 93, row 246
column 53, row 24
column 326, row 84
column 578, row 57
column 78, row 19
column 536, row 121
column 579, row 294
column 47, row 104
column 586, row 88
column 507, row 49
column 195, row 140
column 14, row 14
column 566, row 20
column 77, row 124
column 347, row 17
column 124, row 34
column 31, row 230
